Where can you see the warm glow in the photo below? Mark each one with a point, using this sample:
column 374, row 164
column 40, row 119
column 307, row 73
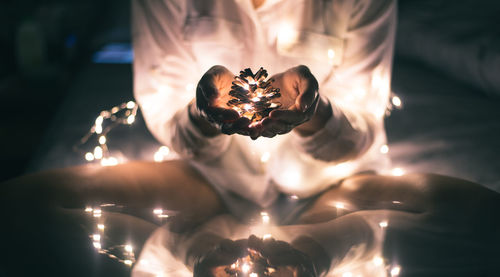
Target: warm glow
column 97, row 245
column 266, row 236
column 245, row 268
column 128, row 248
column 99, row 120
column 265, row 217
column 383, row 224
column 127, row 262
column 378, row 261
column 158, row 157
column 88, row 209
column 253, row 274
column 102, row 139
column 396, row 202
column 396, row 101
column 189, row 87
column 111, row 161
column 158, row 211
column 96, row 237
column 339, row 205
column 286, row 35
column 130, row 104
column 397, row 171
column 130, row 119
column 395, row 271
column 265, row 157
column 164, row 150
column 294, row 197
column 100, row 226
column 89, row 156
column 384, row 149
column 98, row 152
column 331, row 54
column 347, row 274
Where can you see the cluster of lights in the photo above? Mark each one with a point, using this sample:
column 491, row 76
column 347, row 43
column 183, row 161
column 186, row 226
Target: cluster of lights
column 123, row 253
column 123, row 114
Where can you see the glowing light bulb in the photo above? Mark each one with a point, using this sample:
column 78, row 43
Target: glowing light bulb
column 98, row 152
column 164, row 150
column 245, row 268
column 253, row 274
column 395, row 271
column 266, row 236
column 96, row 237
column 286, row 35
column 128, row 248
column 256, row 99
column 100, row 226
column 294, row 197
column 396, row 202
column 127, row 262
column 396, row 101
column 130, row 104
column 111, row 161
column 397, row 171
column 265, row 157
column 88, row 209
column 97, row 245
column 347, row 274
column 158, row 157
column 102, row 139
column 383, row 224
column 98, row 129
column 89, row 156
column 131, row 119
column 265, row 217
column 384, row 149
column 99, row 120
column 158, row 211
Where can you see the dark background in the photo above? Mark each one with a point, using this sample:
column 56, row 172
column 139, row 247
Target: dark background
column 52, row 86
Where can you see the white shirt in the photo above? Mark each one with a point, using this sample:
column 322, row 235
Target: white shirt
column 348, row 46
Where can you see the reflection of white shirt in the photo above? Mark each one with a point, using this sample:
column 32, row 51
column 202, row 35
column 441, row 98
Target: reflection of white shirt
column 354, row 242
column 348, row 46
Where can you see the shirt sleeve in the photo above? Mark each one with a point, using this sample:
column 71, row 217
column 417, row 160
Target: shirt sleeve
column 165, row 76
column 358, row 90
column 359, row 87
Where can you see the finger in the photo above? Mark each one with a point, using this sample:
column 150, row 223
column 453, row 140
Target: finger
column 221, row 115
column 239, row 126
column 287, row 116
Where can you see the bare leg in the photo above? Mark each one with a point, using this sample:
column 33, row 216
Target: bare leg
column 48, row 228
column 437, row 225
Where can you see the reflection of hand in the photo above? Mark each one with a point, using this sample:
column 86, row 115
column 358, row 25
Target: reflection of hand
column 299, row 94
column 212, row 95
column 214, row 261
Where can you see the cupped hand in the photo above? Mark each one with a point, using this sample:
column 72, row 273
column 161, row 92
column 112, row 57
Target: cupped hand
column 212, row 94
column 299, row 98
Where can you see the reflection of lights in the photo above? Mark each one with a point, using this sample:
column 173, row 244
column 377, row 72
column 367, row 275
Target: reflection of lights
column 100, row 227
column 378, row 261
column 265, row 157
column 89, row 156
column 395, row 271
column 266, row 236
column 397, row 171
column 102, row 139
column 384, row 149
column 383, row 224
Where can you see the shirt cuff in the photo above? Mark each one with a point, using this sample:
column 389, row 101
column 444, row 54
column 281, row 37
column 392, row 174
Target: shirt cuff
column 345, row 135
column 190, row 143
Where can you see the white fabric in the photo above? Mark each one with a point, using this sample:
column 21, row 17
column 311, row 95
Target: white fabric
column 347, row 45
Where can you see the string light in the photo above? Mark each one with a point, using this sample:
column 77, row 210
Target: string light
column 265, row 217
column 384, row 149
column 397, row 171
column 383, row 224
column 395, row 271
column 123, row 114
